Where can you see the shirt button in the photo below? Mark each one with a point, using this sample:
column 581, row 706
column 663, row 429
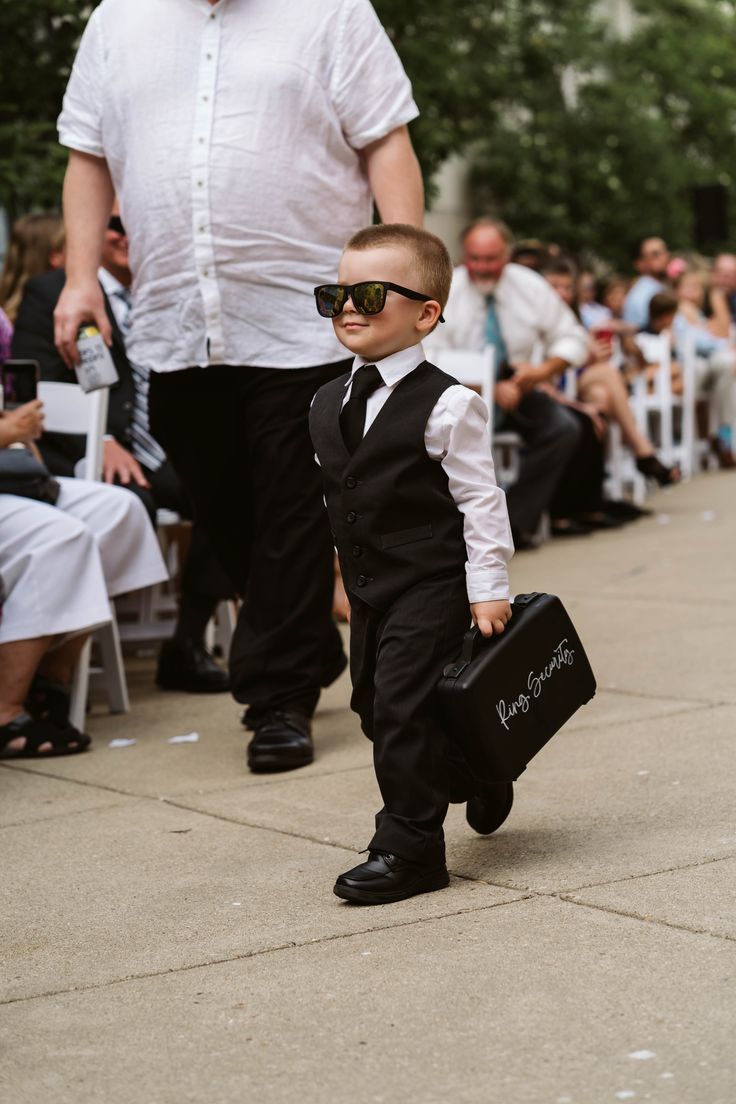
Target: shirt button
column 209, row 57
column 199, row 183
column 205, row 272
column 361, row 581
column 357, row 550
column 351, row 518
column 201, row 229
column 201, row 141
column 351, row 482
column 205, row 98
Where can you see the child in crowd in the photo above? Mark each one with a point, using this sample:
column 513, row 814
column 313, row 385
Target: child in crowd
column 422, row 532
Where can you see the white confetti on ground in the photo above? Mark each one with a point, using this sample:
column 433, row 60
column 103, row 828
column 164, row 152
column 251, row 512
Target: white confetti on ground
column 663, row 519
column 187, row 738
column 642, row 773
column 121, row 743
column 564, row 1100
column 625, row 1094
column 642, row 1055
column 666, row 1076
column 708, row 515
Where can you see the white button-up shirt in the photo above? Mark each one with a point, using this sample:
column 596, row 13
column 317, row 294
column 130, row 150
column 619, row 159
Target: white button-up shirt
column 533, row 318
column 233, row 137
column 456, row 436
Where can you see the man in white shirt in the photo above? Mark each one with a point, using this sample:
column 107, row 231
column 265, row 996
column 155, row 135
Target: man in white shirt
column 246, row 143
column 536, row 337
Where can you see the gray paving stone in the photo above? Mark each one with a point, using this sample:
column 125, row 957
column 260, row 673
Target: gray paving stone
column 701, row 898
column 27, row 797
column 533, row 1003
column 144, row 887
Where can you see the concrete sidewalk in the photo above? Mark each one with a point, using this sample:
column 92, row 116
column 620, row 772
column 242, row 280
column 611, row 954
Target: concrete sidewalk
column 169, row 931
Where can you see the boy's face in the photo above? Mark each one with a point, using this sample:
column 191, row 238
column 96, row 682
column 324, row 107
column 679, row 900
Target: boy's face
column 402, row 322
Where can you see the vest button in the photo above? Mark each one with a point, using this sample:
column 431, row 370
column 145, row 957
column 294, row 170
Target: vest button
column 351, row 517
column 357, row 550
column 361, row 581
column 351, row 482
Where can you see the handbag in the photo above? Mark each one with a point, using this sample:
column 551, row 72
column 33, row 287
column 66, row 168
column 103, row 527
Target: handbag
column 22, row 474
column 506, row 695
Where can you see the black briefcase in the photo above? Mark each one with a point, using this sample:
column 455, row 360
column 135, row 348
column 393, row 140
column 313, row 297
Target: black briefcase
column 507, row 695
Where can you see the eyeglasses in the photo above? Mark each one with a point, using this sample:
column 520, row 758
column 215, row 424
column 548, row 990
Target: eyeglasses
column 368, row 297
column 115, row 224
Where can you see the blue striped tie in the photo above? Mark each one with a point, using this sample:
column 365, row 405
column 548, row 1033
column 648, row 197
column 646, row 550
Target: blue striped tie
column 146, row 448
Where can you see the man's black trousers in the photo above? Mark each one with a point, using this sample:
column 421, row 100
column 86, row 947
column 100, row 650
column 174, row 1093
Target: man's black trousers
column 396, row 660
column 239, row 439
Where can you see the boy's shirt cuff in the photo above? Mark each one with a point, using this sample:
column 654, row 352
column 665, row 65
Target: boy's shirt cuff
column 487, row 584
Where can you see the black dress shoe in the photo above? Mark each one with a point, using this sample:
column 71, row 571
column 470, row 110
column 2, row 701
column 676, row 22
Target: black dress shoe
column 281, row 741
column 570, row 527
column 189, row 667
column 487, row 810
column 386, row 878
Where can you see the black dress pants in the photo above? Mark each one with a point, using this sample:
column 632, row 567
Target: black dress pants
column 550, row 434
column 203, row 574
column 580, row 490
column 239, row 439
column 396, row 660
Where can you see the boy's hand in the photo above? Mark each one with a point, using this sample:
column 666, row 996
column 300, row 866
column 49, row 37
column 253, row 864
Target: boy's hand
column 491, row 617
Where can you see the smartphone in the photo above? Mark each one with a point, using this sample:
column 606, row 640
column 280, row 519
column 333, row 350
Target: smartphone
column 19, row 382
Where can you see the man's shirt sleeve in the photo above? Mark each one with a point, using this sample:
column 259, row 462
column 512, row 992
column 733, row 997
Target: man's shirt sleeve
column 370, row 90
column 80, row 121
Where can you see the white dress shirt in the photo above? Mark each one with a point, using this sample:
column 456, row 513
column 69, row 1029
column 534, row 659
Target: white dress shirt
column 456, row 436
column 233, row 137
column 534, row 320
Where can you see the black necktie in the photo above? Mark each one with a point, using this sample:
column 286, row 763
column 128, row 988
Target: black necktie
column 352, row 417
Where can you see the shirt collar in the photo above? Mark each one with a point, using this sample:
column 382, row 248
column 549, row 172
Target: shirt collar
column 392, row 369
column 110, row 284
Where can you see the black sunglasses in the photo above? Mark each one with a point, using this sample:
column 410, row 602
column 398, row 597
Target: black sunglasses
column 115, row 224
column 368, row 297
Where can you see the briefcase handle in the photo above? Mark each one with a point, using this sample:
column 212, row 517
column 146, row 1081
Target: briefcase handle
column 474, row 637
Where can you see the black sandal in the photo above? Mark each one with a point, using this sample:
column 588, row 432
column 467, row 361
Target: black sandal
column 653, row 468
column 63, row 741
column 49, row 701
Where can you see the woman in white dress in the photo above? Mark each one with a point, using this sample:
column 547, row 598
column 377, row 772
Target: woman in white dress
column 60, row 565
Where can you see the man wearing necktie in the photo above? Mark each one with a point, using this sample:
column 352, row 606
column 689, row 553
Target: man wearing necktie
column 535, row 338
column 131, row 456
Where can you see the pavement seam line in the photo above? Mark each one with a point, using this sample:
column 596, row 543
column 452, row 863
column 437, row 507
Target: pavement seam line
column 655, row 921
column 263, row 951
column 651, row 873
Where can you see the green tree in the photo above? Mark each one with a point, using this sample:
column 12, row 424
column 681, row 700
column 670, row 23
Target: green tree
column 38, row 40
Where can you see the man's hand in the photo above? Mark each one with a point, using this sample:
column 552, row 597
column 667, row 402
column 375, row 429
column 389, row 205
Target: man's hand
column 507, row 394
column 79, row 304
column 491, row 617
column 118, row 463
column 24, row 424
column 527, row 376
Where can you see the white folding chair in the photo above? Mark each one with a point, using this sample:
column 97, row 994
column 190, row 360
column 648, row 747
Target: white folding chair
column 67, row 409
column 655, row 410
column 477, row 370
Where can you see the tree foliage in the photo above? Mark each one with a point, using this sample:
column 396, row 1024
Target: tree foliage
column 574, row 133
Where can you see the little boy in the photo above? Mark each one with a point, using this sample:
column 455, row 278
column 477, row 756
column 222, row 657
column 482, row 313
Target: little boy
column 421, row 530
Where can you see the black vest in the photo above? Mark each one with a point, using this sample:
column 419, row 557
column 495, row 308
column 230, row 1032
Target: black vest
column 393, row 518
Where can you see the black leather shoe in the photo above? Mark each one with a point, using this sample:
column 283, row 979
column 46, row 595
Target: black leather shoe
column 487, row 810
column 281, row 741
column 386, row 878
column 189, row 667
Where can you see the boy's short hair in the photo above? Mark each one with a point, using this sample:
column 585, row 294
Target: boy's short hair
column 662, row 304
column 428, row 252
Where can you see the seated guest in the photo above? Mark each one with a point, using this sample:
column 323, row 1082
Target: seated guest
column 715, row 352
column 723, row 279
column 592, row 313
column 650, row 258
column 496, row 302
column 36, row 245
column 601, row 387
column 531, row 254
column 60, row 565
column 132, row 457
